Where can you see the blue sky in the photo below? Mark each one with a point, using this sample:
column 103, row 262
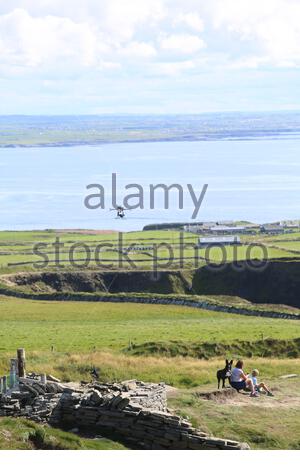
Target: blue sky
column 148, row 56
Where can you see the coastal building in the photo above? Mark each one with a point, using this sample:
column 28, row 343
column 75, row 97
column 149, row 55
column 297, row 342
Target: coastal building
column 211, row 241
column 225, row 229
column 193, row 228
column 290, row 224
column 272, row 229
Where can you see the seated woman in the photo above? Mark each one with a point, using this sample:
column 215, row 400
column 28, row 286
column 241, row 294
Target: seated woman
column 240, row 381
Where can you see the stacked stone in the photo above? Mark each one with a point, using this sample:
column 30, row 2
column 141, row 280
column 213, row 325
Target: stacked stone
column 134, row 412
column 147, row 395
column 85, row 405
column 33, row 399
column 141, row 426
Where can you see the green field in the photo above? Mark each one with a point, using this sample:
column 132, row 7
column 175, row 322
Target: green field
column 86, row 334
column 179, row 345
column 289, row 245
column 91, row 327
column 81, row 326
column 16, row 249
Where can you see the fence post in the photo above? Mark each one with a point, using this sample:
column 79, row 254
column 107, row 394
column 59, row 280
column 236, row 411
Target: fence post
column 13, row 373
column 21, row 362
column 1, row 384
column 4, row 382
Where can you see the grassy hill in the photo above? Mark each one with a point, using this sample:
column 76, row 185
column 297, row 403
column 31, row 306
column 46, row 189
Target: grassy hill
column 180, row 345
column 22, row 434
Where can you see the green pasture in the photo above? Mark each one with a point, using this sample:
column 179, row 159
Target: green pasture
column 85, row 326
column 289, row 245
column 17, row 247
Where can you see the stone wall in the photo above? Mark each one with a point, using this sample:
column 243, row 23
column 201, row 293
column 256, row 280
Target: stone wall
column 133, row 412
column 137, row 416
column 152, row 299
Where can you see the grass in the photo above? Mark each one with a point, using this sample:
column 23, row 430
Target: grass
column 177, row 371
column 258, row 424
column 17, row 247
column 22, row 434
column 181, row 346
column 261, row 348
column 289, row 245
column 83, row 326
column 86, row 334
column 264, row 424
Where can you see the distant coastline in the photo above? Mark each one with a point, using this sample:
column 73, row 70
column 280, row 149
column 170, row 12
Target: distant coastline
column 69, row 131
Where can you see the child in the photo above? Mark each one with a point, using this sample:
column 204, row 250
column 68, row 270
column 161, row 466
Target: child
column 254, row 377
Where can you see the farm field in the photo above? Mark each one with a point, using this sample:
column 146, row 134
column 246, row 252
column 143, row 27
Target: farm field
column 16, row 249
column 288, row 245
column 89, row 327
column 115, row 339
column 292, row 235
column 179, row 345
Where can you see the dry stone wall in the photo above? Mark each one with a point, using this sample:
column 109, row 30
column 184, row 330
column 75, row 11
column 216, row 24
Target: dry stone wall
column 140, row 299
column 133, row 412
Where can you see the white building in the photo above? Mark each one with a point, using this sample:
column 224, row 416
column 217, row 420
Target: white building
column 225, row 229
column 207, row 241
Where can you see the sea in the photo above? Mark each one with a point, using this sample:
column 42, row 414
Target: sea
column 251, row 176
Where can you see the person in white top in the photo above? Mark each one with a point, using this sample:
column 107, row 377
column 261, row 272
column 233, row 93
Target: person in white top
column 240, row 381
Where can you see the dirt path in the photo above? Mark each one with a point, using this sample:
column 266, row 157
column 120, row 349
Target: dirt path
column 286, row 395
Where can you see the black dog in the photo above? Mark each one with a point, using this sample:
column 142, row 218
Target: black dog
column 225, row 373
column 95, row 373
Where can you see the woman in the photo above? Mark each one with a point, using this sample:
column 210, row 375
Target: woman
column 240, row 381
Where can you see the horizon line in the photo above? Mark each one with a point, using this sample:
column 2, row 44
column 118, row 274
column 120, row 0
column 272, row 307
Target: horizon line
column 135, row 114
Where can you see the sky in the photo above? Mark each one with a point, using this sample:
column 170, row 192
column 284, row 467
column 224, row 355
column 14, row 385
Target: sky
column 148, row 56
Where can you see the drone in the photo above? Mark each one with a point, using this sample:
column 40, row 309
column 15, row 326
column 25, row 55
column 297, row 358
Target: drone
column 120, row 211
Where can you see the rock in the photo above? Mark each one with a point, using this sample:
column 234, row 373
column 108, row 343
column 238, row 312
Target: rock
column 218, row 395
column 288, row 376
column 33, row 392
column 129, row 385
column 96, row 397
column 51, row 378
column 54, row 387
column 123, row 403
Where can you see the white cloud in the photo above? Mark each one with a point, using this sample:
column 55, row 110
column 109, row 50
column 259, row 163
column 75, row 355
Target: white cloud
column 250, row 62
column 191, row 20
column 173, row 68
column 137, row 49
column 182, row 43
column 60, row 36
column 44, row 37
column 273, row 26
column 121, row 18
column 29, row 41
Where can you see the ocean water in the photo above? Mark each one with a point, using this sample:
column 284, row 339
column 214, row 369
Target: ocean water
column 45, row 187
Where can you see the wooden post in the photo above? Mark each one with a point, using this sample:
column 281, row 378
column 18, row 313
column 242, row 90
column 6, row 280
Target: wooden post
column 1, row 384
column 21, row 362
